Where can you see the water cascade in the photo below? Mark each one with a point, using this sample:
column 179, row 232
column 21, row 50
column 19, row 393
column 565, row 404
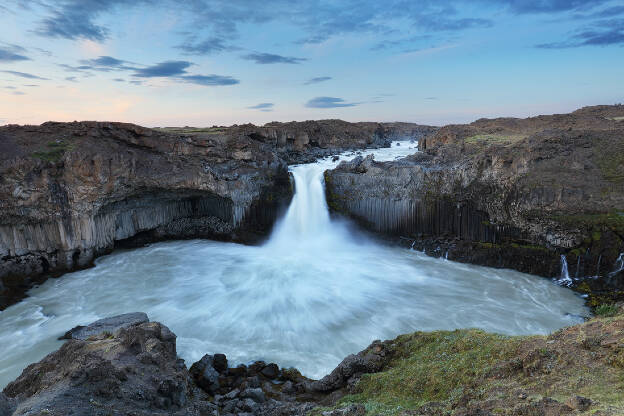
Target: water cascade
column 619, row 265
column 317, row 291
column 564, row 278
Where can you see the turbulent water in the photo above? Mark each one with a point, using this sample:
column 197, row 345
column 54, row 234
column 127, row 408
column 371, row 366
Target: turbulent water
column 315, row 292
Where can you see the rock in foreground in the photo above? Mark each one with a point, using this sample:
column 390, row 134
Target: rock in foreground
column 135, row 371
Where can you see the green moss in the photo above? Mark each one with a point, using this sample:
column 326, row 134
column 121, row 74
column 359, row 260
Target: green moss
column 594, row 224
column 606, row 310
column 54, row 150
column 436, row 366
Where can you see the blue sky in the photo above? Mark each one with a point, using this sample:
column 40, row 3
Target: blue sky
column 205, row 62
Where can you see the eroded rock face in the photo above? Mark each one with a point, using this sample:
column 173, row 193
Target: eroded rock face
column 505, row 192
column 128, row 365
column 134, row 370
column 72, row 191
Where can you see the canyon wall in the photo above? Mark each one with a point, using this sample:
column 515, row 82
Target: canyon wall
column 505, row 193
column 70, row 192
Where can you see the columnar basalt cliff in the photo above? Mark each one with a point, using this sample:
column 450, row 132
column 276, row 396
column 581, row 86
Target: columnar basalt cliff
column 504, row 192
column 72, row 191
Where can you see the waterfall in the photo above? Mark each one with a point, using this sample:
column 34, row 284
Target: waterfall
column 564, row 279
column 307, row 220
column 619, row 265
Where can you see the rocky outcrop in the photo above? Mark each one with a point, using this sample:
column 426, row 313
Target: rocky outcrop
column 72, row 191
column 134, row 370
column 128, row 365
column 505, row 193
column 302, row 142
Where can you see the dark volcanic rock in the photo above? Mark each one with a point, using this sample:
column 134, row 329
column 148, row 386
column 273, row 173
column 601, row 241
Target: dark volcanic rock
column 109, row 325
column 134, row 371
column 70, row 192
column 504, row 193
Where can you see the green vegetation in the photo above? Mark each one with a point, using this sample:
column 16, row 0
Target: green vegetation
column 489, row 139
column 54, row 150
column 613, row 221
column 606, row 310
column 447, row 370
column 436, row 366
column 616, row 118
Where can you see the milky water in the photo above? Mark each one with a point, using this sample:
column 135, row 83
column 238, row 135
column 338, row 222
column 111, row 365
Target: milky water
column 315, row 292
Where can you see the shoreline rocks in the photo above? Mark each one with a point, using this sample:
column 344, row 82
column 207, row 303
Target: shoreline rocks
column 135, row 370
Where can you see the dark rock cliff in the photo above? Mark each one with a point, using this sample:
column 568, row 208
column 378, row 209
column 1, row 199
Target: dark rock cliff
column 504, row 193
column 72, row 191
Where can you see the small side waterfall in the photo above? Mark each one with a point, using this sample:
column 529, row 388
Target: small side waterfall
column 619, row 265
column 564, row 279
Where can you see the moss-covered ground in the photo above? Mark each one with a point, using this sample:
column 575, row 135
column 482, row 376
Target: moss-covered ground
column 470, row 371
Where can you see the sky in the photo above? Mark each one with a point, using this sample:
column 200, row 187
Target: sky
column 223, row 62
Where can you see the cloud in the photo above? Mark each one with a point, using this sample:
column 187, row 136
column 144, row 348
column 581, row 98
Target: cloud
column 206, row 47
column 24, row 75
column 316, row 80
column 210, row 80
column 9, row 87
column 266, row 107
column 551, row 6
column 74, row 19
column 163, row 69
column 328, row 102
column 604, row 33
column 269, row 58
column 18, row 93
column 177, row 71
column 71, row 79
column 105, row 64
column 431, row 98
column 10, row 53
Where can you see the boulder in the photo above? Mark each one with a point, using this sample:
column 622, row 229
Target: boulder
column 106, row 325
column 134, row 370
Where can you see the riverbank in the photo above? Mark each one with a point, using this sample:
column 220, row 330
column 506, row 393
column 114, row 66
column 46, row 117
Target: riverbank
column 510, row 193
column 129, row 365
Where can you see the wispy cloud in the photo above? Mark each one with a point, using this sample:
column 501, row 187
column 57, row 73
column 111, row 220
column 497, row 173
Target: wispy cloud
column 12, row 53
column 603, row 33
column 207, row 46
column 210, row 80
column 269, row 58
column 266, row 107
column 316, row 80
column 24, row 75
column 163, row 69
column 71, row 79
column 328, row 102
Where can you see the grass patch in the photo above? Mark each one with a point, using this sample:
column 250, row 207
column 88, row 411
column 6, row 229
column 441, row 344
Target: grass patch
column 432, row 367
column 606, row 310
column 616, row 118
column 54, row 150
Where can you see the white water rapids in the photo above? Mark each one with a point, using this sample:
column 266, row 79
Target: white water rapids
column 314, row 293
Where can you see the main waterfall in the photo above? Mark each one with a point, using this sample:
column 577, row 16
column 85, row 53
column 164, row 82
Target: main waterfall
column 315, row 292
